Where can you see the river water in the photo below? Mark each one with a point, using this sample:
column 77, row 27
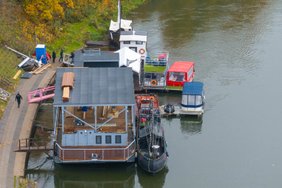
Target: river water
column 236, row 46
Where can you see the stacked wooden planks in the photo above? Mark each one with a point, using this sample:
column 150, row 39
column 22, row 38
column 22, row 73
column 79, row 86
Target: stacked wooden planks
column 41, row 69
column 67, row 85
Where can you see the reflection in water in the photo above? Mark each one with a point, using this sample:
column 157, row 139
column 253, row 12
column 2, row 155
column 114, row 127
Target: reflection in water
column 181, row 20
column 102, row 176
column 151, row 181
column 191, row 124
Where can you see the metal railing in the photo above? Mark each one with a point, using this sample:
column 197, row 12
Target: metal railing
column 90, row 154
column 31, row 144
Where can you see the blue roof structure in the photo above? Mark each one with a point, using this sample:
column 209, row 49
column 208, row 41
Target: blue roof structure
column 193, row 88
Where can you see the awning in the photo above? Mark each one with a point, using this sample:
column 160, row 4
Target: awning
column 129, row 58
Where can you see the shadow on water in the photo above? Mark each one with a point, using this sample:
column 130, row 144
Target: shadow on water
column 85, row 175
column 148, row 180
column 191, row 124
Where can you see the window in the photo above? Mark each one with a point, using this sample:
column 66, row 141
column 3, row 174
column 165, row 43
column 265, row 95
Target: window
column 126, row 42
column 176, row 76
column 108, row 139
column 118, row 139
column 139, row 42
column 190, row 73
column 98, row 139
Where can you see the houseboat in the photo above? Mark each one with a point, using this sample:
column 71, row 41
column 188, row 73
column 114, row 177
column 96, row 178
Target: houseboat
column 94, row 116
column 151, row 145
column 168, row 77
column 134, row 40
column 192, row 103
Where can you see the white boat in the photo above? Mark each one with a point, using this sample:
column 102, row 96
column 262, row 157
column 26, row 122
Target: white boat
column 192, row 102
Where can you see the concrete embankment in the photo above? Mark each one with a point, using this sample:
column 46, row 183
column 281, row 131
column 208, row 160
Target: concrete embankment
column 17, row 124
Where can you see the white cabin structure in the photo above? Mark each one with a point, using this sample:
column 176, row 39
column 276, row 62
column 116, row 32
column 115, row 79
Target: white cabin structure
column 134, row 40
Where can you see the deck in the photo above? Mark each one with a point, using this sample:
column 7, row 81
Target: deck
column 179, row 112
column 95, row 153
column 117, row 124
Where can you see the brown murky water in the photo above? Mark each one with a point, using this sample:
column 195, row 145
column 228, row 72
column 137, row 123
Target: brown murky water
column 236, row 46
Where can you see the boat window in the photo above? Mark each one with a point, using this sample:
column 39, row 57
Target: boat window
column 126, row 42
column 176, row 76
column 190, row 73
column 198, row 100
column 118, row 139
column 98, row 139
column 108, row 139
column 191, row 99
column 139, row 42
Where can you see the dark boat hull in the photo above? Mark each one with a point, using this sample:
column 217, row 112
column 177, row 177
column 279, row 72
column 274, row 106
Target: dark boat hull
column 152, row 165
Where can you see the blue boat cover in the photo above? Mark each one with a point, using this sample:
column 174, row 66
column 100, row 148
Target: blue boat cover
column 193, row 88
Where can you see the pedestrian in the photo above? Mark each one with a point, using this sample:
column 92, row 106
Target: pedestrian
column 54, row 56
column 61, row 55
column 18, row 99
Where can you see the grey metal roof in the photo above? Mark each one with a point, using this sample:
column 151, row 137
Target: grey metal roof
column 97, row 86
column 91, row 55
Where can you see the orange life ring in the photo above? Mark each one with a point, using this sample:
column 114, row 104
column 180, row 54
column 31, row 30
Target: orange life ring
column 141, row 51
column 154, row 82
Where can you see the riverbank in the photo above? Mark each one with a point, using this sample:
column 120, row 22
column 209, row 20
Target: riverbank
column 17, row 124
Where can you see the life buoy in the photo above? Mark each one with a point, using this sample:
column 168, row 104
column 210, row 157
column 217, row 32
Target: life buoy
column 154, row 82
column 141, row 51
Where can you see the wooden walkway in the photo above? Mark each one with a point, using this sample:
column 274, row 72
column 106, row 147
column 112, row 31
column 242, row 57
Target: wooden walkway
column 30, row 144
column 16, row 124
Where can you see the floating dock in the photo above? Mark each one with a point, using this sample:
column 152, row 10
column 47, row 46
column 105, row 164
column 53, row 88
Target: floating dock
column 179, row 112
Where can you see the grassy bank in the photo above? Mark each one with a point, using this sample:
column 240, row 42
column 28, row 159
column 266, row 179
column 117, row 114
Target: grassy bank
column 8, row 68
column 74, row 35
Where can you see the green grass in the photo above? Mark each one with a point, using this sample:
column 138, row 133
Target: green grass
column 151, row 68
column 8, row 68
column 74, row 35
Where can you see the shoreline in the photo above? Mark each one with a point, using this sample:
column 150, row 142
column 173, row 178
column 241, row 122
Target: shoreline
column 16, row 124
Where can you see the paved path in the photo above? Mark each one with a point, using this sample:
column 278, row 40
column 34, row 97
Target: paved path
column 16, row 124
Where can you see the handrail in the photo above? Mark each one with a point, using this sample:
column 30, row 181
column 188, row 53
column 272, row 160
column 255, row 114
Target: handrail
column 81, row 149
column 126, row 151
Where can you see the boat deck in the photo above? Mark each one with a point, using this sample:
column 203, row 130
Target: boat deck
column 117, row 124
column 179, row 112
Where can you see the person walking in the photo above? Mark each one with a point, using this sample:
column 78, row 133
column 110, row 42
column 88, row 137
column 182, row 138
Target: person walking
column 54, row 56
column 18, row 99
column 61, row 55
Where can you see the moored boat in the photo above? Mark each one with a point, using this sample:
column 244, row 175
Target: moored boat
column 152, row 152
column 192, row 103
column 94, row 115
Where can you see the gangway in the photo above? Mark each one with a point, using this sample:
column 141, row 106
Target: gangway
column 41, row 94
column 31, row 144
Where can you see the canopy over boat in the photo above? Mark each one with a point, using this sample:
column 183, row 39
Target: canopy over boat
column 181, row 66
column 193, row 88
column 124, row 24
column 129, row 58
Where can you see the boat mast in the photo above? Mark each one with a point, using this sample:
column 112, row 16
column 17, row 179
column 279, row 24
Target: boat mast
column 119, row 14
